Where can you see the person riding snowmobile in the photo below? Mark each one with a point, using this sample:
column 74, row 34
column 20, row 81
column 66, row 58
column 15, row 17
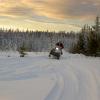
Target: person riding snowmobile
column 60, row 45
column 57, row 51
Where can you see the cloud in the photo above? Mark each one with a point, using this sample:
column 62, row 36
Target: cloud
column 65, row 9
column 18, row 10
column 56, row 9
column 76, row 9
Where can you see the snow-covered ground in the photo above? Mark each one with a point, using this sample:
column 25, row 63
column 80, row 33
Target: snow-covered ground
column 36, row 77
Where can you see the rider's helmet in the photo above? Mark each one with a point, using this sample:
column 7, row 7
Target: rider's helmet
column 60, row 44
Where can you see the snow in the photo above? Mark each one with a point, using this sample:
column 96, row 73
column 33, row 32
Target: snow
column 36, row 77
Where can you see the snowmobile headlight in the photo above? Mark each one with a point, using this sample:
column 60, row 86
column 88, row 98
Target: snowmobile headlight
column 57, row 48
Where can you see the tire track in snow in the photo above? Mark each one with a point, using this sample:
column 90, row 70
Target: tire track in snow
column 80, row 84
column 87, row 83
column 61, row 90
column 73, row 82
column 55, row 93
column 70, row 83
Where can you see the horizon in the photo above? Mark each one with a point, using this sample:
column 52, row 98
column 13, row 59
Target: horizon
column 51, row 15
column 29, row 30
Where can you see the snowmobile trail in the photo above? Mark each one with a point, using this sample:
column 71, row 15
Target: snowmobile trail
column 78, row 82
column 73, row 77
column 65, row 85
column 55, row 93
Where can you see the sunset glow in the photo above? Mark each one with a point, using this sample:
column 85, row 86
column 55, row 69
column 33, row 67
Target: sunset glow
column 52, row 15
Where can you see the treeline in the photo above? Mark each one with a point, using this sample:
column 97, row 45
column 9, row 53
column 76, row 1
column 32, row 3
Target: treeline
column 88, row 40
column 34, row 40
column 88, row 44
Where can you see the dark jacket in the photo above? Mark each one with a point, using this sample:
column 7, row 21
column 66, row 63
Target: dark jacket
column 60, row 45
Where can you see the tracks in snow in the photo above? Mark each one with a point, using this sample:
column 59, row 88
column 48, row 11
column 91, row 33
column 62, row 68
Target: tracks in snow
column 73, row 80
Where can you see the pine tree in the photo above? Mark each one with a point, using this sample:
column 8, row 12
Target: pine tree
column 22, row 50
column 92, row 44
column 80, row 44
column 96, row 27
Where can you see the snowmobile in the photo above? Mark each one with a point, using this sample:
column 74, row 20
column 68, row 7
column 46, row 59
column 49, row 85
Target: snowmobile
column 55, row 52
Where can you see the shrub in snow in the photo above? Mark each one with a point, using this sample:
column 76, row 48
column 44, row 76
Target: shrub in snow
column 22, row 50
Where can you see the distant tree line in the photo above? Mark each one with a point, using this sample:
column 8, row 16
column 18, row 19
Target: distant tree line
column 34, row 40
column 88, row 40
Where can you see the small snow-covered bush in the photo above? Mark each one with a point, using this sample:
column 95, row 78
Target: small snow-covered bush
column 22, row 50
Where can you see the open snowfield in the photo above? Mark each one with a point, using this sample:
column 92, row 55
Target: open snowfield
column 36, row 77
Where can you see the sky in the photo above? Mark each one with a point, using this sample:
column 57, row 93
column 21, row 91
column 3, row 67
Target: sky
column 51, row 15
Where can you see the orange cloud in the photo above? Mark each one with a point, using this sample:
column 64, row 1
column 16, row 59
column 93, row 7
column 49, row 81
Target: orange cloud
column 50, row 11
column 65, row 9
column 57, row 9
